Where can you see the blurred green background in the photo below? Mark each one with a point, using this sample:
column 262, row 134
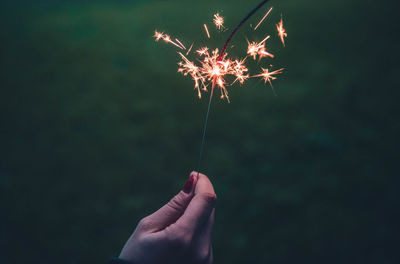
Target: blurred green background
column 98, row 130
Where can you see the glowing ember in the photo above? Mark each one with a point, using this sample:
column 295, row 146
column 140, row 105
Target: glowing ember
column 218, row 21
column 206, row 29
column 212, row 70
column 268, row 76
column 281, row 31
column 265, row 16
column 258, row 48
column 167, row 39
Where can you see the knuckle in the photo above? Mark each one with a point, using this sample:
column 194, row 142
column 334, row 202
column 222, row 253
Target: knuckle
column 184, row 241
column 179, row 239
column 177, row 202
column 144, row 223
column 210, row 198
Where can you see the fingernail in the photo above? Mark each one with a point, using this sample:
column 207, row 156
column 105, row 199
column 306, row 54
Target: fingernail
column 189, row 184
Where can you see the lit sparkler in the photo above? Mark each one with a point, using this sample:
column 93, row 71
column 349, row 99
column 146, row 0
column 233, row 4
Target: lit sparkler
column 216, row 68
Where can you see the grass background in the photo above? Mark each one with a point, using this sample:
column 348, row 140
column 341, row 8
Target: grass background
column 98, row 130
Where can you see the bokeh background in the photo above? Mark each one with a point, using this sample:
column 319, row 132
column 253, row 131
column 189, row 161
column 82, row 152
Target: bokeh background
column 98, row 130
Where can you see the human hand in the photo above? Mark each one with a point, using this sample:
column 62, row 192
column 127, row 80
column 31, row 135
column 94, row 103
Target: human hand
column 180, row 231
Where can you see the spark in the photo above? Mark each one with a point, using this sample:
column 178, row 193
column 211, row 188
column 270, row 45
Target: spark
column 259, row 23
column 191, row 46
column 166, row 38
column 213, row 70
column 255, row 49
column 208, row 33
column 216, row 68
column 202, row 51
column 269, row 75
column 180, row 43
column 209, row 67
column 218, row 21
column 281, row 31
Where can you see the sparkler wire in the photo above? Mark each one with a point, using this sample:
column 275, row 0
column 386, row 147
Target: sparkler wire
column 212, row 89
column 239, row 25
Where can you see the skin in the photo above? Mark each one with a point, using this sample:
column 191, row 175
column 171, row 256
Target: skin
column 180, row 231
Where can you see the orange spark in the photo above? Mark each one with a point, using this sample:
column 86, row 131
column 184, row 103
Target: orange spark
column 259, row 23
column 258, row 48
column 166, row 38
column 191, row 46
column 208, row 33
column 202, row 51
column 158, row 35
column 268, row 76
column 211, row 67
column 218, row 21
column 281, row 31
column 180, row 43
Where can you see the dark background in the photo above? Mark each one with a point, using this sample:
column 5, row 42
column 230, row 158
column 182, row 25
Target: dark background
column 98, row 130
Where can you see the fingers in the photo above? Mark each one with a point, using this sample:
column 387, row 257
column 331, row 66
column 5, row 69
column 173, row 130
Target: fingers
column 200, row 207
column 173, row 210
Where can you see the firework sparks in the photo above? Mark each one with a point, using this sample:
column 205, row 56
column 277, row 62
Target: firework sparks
column 180, row 43
column 207, row 32
column 217, row 69
column 269, row 76
column 190, row 49
column 213, row 70
column 281, row 31
column 255, row 49
column 166, row 38
column 218, row 21
column 265, row 16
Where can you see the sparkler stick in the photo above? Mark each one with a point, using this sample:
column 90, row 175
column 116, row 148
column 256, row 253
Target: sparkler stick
column 212, row 67
column 239, row 25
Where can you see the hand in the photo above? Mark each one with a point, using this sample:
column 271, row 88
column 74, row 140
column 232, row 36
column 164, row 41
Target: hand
column 180, row 231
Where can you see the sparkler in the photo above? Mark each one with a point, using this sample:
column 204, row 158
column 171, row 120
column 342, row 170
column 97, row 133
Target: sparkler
column 216, row 69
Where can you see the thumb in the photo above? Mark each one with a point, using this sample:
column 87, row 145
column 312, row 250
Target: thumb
column 173, row 210
column 200, row 207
